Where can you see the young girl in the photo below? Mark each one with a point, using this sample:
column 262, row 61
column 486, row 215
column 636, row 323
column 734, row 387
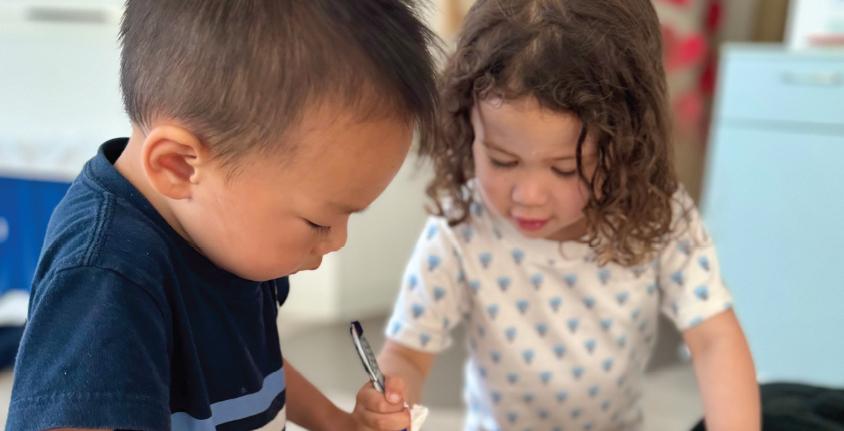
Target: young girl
column 560, row 231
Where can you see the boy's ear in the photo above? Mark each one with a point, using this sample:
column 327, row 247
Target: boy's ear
column 171, row 157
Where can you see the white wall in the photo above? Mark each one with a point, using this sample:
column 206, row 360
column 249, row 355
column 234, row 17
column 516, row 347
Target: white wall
column 362, row 279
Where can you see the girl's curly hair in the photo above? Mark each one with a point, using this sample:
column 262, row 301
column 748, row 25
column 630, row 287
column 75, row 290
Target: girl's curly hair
column 598, row 59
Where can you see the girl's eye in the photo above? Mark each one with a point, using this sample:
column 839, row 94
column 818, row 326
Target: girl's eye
column 563, row 173
column 317, row 227
column 503, row 164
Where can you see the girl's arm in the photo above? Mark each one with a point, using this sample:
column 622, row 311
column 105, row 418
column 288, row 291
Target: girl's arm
column 725, row 374
column 411, row 365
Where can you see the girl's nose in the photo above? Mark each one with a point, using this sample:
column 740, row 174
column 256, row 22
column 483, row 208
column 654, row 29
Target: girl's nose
column 529, row 192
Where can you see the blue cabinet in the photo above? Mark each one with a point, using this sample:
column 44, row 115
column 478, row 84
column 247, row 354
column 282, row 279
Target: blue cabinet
column 59, row 75
column 774, row 202
column 25, row 208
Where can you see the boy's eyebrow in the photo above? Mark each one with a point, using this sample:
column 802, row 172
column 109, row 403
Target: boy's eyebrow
column 493, row 146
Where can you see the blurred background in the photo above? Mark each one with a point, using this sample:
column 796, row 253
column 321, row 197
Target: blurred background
column 757, row 91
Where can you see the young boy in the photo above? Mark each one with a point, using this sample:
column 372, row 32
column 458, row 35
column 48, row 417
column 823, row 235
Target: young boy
column 258, row 128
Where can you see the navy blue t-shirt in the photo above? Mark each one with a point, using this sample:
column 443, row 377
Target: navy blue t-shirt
column 131, row 328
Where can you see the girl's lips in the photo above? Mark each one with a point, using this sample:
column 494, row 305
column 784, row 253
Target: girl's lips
column 531, row 224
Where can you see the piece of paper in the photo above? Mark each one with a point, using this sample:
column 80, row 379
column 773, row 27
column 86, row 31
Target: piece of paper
column 417, row 417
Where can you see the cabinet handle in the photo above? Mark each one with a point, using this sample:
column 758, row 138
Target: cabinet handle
column 817, row 79
column 66, row 15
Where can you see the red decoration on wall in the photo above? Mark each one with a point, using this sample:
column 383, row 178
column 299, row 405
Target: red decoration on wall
column 689, row 31
column 682, row 51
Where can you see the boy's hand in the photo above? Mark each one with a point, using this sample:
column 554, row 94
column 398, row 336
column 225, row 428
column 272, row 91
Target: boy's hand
column 382, row 412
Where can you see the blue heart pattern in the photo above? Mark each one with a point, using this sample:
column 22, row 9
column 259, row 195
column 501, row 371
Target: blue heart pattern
column 702, row 292
column 474, row 286
column 431, row 232
column 518, row 256
column 604, row 276
column 527, row 355
column 503, row 283
column 418, row 310
column 559, row 351
column 536, row 280
column 541, row 329
column 492, row 310
column 590, row 345
column 522, row 306
column 467, row 233
column 703, row 261
column 433, row 262
column 485, row 259
column 424, row 339
column 395, row 327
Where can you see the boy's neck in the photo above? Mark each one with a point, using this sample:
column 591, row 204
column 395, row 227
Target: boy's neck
column 130, row 166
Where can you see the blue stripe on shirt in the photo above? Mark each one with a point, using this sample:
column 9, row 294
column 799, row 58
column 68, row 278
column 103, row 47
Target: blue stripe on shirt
column 233, row 409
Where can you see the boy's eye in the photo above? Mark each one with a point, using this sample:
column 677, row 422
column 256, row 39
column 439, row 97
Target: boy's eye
column 502, row 163
column 563, row 173
column 317, row 227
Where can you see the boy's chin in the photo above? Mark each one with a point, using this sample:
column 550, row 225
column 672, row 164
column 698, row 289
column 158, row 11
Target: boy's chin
column 310, row 265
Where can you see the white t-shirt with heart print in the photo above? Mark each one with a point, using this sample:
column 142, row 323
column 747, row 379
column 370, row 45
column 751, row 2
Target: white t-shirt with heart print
column 556, row 342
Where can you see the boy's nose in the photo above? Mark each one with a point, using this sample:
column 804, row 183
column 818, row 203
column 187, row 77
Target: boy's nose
column 335, row 240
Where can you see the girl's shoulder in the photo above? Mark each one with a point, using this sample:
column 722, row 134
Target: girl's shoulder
column 687, row 226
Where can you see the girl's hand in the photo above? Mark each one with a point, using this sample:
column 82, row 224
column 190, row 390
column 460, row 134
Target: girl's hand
column 375, row 411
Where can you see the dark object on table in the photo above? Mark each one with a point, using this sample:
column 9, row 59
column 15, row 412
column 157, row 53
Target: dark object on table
column 796, row 407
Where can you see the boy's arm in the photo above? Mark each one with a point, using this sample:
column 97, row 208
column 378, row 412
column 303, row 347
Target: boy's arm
column 85, row 324
column 411, row 365
column 309, row 408
column 725, row 373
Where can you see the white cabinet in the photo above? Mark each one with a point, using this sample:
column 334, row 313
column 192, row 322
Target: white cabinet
column 774, row 202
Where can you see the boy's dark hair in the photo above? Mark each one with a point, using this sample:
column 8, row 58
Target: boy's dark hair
column 602, row 61
column 239, row 73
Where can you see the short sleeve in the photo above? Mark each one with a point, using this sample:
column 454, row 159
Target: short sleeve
column 689, row 275
column 94, row 354
column 432, row 299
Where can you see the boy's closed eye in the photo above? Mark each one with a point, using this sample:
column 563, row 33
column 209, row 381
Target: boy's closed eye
column 318, row 227
column 343, row 210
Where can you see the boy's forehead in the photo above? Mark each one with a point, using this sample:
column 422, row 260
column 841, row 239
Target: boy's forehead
column 333, row 121
column 331, row 145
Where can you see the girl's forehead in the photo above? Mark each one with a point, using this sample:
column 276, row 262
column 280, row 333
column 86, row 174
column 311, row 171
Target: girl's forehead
column 524, row 124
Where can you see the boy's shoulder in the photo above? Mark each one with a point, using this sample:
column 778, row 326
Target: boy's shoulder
column 102, row 223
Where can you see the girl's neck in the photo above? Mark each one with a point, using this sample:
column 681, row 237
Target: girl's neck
column 572, row 232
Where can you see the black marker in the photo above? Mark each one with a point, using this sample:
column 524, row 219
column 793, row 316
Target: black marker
column 367, row 358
